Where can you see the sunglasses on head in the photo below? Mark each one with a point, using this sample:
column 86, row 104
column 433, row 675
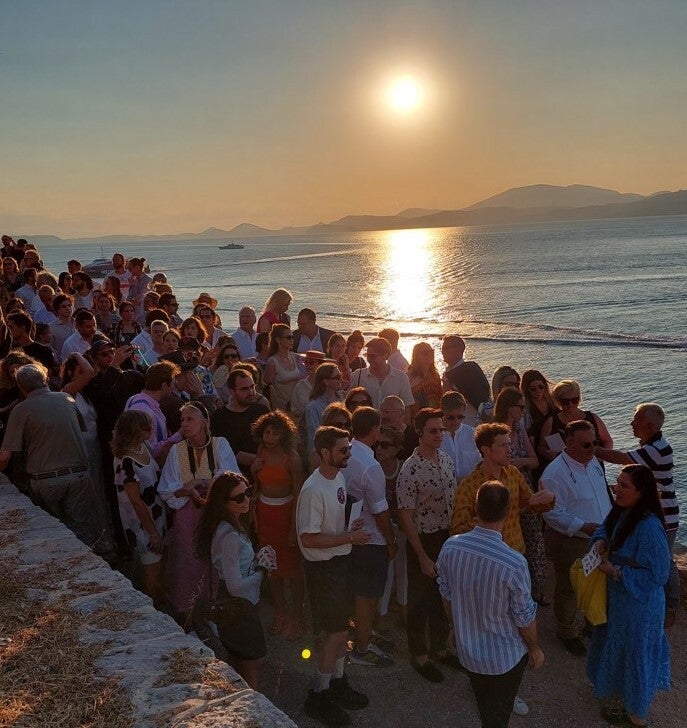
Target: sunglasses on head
column 247, row 493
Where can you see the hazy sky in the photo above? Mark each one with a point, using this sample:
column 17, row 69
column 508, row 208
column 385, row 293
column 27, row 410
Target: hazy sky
column 169, row 116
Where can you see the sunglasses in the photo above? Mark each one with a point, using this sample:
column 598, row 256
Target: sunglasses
column 230, row 356
column 587, row 445
column 453, row 418
column 384, row 444
column 536, row 387
column 247, row 493
column 359, row 402
column 569, row 400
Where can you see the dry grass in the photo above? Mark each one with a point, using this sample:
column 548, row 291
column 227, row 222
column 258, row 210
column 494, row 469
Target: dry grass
column 185, row 667
column 48, row 677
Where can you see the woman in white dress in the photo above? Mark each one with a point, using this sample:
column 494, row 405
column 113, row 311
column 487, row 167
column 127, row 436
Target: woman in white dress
column 142, row 511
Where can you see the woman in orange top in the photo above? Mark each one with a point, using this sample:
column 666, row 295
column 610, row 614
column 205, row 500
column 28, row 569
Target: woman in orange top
column 278, row 475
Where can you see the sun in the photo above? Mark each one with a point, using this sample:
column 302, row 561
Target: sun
column 405, row 94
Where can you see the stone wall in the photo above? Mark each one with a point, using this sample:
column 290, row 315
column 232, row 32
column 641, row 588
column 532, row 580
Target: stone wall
column 171, row 678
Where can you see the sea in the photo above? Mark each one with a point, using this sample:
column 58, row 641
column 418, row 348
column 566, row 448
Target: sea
column 603, row 302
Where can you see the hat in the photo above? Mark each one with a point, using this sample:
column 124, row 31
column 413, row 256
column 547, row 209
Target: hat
column 315, row 354
column 189, row 342
column 100, row 343
column 207, row 299
column 219, row 378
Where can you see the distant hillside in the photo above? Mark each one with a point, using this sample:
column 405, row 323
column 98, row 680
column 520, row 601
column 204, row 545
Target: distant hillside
column 554, row 196
column 415, row 212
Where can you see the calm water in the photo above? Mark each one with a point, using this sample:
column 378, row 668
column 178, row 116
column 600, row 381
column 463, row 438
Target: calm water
column 602, row 302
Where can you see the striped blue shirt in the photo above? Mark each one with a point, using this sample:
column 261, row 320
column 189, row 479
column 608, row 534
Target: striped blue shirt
column 488, row 586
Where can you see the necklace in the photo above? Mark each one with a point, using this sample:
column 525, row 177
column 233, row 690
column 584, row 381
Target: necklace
column 200, row 447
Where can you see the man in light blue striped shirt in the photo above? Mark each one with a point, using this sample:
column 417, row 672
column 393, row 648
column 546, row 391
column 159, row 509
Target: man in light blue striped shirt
column 485, row 586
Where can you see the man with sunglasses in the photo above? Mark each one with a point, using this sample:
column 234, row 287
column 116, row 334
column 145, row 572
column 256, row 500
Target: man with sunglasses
column 583, row 501
column 325, row 542
column 459, row 439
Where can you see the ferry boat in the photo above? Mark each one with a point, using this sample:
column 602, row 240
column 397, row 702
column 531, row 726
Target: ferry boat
column 231, row 246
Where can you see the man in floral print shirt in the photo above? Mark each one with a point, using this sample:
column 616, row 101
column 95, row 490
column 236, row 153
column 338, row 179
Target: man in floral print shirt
column 425, row 490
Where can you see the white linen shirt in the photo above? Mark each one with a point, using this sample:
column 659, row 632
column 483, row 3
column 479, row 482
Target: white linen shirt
column 246, row 343
column 396, row 382
column 581, row 494
column 462, row 450
column 365, row 481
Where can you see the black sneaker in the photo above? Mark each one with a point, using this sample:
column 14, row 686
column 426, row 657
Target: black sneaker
column 381, row 641
column 346, row 696
column 428, row 670
column 323, row 707
column 574, row 645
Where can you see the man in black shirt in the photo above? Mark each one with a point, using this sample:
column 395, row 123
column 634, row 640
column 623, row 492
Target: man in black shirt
column 19, row 325
column 234, row 421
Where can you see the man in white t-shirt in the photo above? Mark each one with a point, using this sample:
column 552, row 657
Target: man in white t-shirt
column 246, row 334
column 326, row 543
column 121, row 272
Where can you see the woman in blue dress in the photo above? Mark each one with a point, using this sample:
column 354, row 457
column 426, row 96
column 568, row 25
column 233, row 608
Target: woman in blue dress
column 629, row 658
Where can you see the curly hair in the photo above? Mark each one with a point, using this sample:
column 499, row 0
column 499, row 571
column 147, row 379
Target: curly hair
column 281, row 423
column 128, row 430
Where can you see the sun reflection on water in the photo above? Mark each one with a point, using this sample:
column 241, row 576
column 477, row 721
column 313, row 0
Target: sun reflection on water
column 409, row 265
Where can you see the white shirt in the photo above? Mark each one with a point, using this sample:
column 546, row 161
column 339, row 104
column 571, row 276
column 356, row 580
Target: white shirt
column 365, row 481
column 61, row 331
column 581, row 494
column 398, row 361
column 170, row 479
column 74, row 343
column 27, row 293
column 124, row 282
column 461, row 449
column 44, row 317
column 306, row 344
column 245, row 342
column 143, row 341
column 321, row 508
column 300, row 399
column 396, row 382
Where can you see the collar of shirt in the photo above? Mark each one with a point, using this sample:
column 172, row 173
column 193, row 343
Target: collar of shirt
column 456, row 365
column 40, row 390
column 488, row 533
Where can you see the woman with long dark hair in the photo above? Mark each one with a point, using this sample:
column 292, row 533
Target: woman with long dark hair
column 425, row 381
column 629, row 658
column 222, row 538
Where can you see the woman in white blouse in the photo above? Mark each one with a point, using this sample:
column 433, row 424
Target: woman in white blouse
column 222, row 537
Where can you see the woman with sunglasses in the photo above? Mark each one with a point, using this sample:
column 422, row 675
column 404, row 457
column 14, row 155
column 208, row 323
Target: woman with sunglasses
column 629, row 656
column 189, row 467
column 227, row 356
column 142, row 511
column 281, row 371
column 387, row 451
column 509, row 409
column 278, row 476
column 325, row 390
column 567, row 397
column 337, row 415
column 222, row 539
column 357, row 397
column 536, row 389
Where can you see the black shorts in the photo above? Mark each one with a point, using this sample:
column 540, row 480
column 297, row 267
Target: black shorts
column 329, row 591
column 369, row 567
column 243, row 637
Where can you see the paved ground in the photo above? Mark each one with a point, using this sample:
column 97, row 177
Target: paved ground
column 558, row 694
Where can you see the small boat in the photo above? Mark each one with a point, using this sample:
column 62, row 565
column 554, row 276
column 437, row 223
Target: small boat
column 231, row 246
column 99, row 268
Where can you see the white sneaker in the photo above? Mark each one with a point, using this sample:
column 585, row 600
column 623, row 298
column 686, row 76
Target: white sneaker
column 520, row 707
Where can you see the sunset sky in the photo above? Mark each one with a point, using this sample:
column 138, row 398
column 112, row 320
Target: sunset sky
column 167, row 116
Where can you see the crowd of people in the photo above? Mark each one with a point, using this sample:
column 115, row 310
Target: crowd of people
column 341, row 475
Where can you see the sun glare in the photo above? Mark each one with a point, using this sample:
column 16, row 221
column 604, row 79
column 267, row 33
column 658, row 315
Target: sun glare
column 404, row 95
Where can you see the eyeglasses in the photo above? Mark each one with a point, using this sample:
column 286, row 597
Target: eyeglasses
column 453, row 418
column 569, row 400
column 247, row 493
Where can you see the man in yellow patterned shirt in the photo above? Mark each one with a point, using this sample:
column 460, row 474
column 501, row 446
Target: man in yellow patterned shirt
column 493, row 443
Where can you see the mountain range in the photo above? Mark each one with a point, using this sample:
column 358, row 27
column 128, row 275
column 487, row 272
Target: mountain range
column 533, row 203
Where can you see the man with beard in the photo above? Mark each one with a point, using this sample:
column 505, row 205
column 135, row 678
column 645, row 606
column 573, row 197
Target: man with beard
column 326, row 543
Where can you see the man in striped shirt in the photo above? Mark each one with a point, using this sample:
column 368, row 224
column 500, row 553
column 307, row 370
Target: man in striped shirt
column 485, row 586
column 655, row 452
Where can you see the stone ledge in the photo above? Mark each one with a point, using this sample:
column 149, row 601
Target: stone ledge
column 139, row 642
